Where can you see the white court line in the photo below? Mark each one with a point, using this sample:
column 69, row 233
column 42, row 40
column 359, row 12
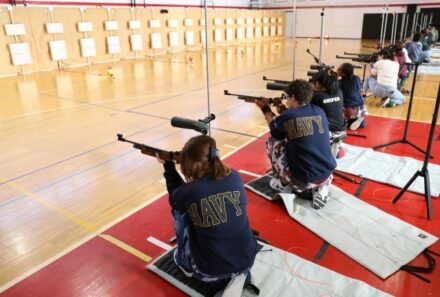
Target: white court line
column 159, row 243
column 77, row 244
column 230, row 146
column 107, row 226
column 249, row 173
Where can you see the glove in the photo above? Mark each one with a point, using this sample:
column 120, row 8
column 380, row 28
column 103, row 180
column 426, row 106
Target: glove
column 266, row 109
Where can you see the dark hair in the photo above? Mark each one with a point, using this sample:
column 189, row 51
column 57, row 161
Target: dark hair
column 417, row 36
column 348, row 77
column 386, row 54
column 301, row 90
column 398, row 48
column 200, row 158
column 327, row 79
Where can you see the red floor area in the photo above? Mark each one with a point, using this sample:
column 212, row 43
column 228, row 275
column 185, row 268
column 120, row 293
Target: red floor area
column 98, row 268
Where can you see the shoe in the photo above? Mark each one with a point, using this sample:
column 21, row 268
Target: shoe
column 390, row 104
column 357, row 123
column 385, row 101
column 341, row 153
column 278, row 186
column 320, row 195
column 187, row 273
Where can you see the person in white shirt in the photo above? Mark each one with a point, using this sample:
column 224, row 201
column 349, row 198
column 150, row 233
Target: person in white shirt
column 383, row 80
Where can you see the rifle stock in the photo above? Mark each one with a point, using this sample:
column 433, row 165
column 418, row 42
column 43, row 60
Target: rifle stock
column 152, row 151
column 265, row 100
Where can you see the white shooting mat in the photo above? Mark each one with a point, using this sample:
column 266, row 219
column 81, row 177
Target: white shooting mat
column 378, row 241
column 277, row 274
column 432, row 68
column 435, row 52
column 388, row 169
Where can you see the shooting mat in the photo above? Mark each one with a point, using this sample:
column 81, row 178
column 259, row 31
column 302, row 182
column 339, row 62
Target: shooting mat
column 387, row 169
column 276, row 273
column 380, row 242
column 433, row 68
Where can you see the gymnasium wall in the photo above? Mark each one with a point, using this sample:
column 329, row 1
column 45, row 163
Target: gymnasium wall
column 342, row 18
column 34, row 20
column 344, row 3
column 338, row 22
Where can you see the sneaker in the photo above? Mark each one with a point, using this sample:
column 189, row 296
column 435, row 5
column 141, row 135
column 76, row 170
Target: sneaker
column 278, row 186
column 341, row 153
column 320, row 195
column 390, row 104
column 385, row 101
column 187, row 273
column 357, row 123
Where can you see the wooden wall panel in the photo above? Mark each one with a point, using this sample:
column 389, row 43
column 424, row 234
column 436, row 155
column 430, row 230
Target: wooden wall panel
column 35, row 18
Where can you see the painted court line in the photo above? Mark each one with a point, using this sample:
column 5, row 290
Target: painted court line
column 82, row 223
column 95, row 233
column 159, row 243
column 249, row 173
column 230, row 146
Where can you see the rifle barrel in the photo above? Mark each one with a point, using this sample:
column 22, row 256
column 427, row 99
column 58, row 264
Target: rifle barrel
column 248, row 98
column 152, row 151
column 279, row 81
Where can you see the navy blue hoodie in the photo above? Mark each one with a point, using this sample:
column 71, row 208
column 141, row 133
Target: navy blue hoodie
column 221, row 241
column 308, row 142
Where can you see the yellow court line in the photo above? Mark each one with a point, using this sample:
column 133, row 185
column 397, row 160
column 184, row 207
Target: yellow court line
column 85, row 225
column 125, row 247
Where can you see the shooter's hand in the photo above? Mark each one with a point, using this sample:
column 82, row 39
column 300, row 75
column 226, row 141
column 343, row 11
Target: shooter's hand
column 159, row 159
column 260, row 103
column 280, row 108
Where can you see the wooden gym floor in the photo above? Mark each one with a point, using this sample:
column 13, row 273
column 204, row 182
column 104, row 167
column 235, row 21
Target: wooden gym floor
column 64, row 178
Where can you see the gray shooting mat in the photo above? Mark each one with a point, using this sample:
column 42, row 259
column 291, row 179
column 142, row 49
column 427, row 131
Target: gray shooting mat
column 388, row 169
column 277, row 274
column 378, row 241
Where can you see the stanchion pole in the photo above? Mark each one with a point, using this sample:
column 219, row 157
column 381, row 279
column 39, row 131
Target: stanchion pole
column 424, row 171
column 381, row 27
column 321, row 44
column 294, row 38
column 208, row 88
column 408, row 117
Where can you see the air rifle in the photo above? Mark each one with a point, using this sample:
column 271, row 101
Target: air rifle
column 276, row 84
column 363, row 58
column 360, row 58
column 278, row 81
column 264, row 100
column 152, row 151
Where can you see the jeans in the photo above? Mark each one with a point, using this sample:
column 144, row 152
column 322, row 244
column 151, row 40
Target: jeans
column 183, row 257
column 425, row 56
column 383, row 91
